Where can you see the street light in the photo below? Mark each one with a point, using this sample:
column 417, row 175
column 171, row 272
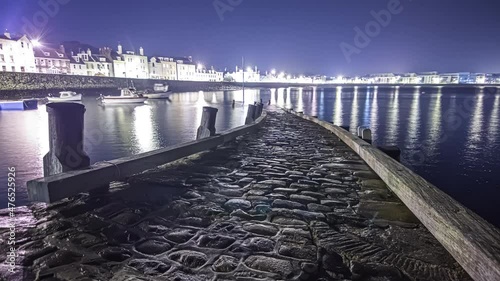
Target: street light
column 273, row 72
column 36, row 43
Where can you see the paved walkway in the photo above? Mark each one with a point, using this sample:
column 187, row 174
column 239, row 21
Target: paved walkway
column 291, row 203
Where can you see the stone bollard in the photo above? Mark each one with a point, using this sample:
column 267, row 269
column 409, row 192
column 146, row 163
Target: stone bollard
column 260, row 107
column 65, row 139
column 234, row 102
column 207, row 126
column 360, row 129
column 366, row 135
column 250, row 114
column 393, row 151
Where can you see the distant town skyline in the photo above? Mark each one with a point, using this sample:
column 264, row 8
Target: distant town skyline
column 300, row 37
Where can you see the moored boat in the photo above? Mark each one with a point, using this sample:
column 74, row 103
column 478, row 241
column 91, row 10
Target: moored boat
column 127, row 96
column 65, row 96
column 30, row 104
column 160, row 91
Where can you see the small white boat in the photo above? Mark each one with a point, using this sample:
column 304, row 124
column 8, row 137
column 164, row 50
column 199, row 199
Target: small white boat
column 127, row 96
column 160, row 91
column 65, row 96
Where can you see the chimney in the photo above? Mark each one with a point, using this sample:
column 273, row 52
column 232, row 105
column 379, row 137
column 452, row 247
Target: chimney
column 7, row 34
column 190, row 59
column 89, row 52
column 141, row 51
column 120, row 49
column 63, row 50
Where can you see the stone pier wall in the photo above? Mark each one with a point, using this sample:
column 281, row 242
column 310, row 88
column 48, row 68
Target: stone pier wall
column 38, row 85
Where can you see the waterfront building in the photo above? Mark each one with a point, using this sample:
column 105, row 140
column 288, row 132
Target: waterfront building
column 162, row 68
column 16, row 54
column 130, row 65
column 251, row 75
column 409, row 78
column 186, row 69
column 384, row 78
column 77, row 66
column 95, row 64
column 208, row 75
column 51, row 61
column 429, row 77
column 458, row 78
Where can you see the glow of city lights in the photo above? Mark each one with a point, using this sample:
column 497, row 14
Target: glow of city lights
column 249, row 69
column 273, row 72
column 200, row 66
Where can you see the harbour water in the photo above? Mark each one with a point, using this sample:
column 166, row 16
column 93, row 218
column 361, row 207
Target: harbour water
column 451, row 137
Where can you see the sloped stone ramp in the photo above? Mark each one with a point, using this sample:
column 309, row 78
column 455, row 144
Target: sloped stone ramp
column 290, row 203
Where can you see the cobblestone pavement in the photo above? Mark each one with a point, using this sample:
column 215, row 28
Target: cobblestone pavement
column 290, row 203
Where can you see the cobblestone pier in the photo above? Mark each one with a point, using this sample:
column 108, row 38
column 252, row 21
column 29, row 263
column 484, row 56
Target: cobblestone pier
column 289, row 203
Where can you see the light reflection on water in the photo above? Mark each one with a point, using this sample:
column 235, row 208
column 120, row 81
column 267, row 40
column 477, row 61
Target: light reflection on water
column 451, row 137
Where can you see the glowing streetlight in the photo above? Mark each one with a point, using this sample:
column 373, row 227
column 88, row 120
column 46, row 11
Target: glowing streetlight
column 36, row 43
column 200, row 66
column 249, row 69
column 273, row 72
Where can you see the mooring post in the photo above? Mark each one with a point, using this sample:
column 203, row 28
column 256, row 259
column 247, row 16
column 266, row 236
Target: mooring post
column 269, row 102
column 366, row 135
column 360, row 129
column 250, row 114
column 392, row 151
column 234, row 102
column 260, row 107
column 207, row 126
column 65, row 139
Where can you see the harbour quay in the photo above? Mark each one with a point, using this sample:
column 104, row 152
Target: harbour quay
column 283, row 197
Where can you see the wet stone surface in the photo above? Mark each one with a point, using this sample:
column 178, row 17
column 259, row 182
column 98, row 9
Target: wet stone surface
column 289, row 203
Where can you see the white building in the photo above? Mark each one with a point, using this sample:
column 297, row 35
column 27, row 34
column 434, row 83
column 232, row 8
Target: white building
column 77, row 66
column 51, row 61
column 384, row 78
column 429, row 77
column 409, row 78
column 209, row 75
column 94, row 65
column 16, row 54
column 250, row 75
column 130, row 64
column 186, row 69
column 162, row 68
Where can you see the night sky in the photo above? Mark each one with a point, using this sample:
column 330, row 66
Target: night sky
column 302, row 37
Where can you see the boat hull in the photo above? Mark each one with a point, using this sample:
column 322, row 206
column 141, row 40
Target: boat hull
column 157, row 95
column 19, row 105
column 73, row 98
column 122, row 100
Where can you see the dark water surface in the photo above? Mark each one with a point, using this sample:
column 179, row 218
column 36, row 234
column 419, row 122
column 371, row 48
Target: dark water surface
column 451, row 137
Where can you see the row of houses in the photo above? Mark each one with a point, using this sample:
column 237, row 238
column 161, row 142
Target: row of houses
column 432, row 78
column 20, row 54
